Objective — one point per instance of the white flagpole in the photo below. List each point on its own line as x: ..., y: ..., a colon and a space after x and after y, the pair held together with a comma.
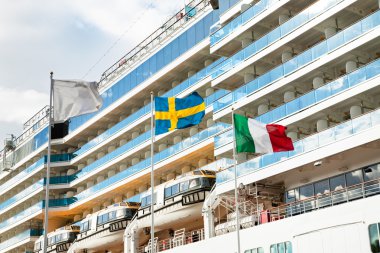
x: 46, y: 217
x: 152, y: 172
x: 235, y: 179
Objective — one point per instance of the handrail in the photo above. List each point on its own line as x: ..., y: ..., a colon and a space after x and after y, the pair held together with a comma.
x: 147, y: 43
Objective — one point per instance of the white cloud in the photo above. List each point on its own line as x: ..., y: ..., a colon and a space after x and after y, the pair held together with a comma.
x: 68, y: 37
x: 18, y: 106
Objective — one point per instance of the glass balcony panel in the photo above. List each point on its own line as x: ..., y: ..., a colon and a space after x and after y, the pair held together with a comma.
x: 343, y: 130
x: 290, y: 66
x: 319, y: 50
x: 352, y: 32
x: 292, y: 106
x: 327, y: 136
x: 322, y: 92
x: 274, y: 35
x: 310, y: 143
x: 339, y: 85
x: 362, y: 123
x: 375, y: 118
x: 372, y: 69
x: 336, y: 41
x: 307, y: 100
x: 279, y: 113
x: 357, y: 77
x: 252, y: 86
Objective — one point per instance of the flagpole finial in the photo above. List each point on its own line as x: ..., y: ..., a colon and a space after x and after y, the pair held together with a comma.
x: 51, y: 73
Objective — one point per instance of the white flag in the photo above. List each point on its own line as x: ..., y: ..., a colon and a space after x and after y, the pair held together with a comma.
x: 73, y: 98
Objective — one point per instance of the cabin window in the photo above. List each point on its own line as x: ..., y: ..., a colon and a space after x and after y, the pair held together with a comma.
x: 175, y: 189
x: 120, y: 213
x: 322, y: 187
x: 283, y: 247
x: 194, y: 183
x: 371, y: 172
x: 207, y: 182
x: 337, y: 183
x: 256, y: 250
x: 184, y: 186
x: 354, y: 177
x: 374, y: 237
x: 291, y: 196
x: 306, y: 191
x: 168, y: 192
x: 84, y: 226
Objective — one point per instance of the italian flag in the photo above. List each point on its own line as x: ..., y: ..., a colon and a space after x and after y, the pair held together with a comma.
x: 255, y: 137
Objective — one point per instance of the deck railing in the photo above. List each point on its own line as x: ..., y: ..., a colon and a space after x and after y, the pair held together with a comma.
x: 319, y: 201
x: 176, y: 241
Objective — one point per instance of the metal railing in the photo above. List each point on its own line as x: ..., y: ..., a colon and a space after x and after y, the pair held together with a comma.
x: 319, y: 201
x: 176, y: 241
x: 149, y: 44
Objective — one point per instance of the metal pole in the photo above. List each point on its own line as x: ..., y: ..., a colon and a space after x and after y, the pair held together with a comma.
x: 46, y: 217
x: 236, y: 187
x: 152, y: 172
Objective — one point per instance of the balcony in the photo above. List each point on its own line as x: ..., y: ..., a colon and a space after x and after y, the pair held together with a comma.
x: 288, y: 31
x: 347, y: 35
x: 131, y: 145
x: 159, y: 157
x: 145, y: 112
x: 32, y: 169
x: 25, y: 237
x: 324, y: 138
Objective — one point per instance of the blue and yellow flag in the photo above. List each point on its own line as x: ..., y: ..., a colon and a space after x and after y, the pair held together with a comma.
x: 178, y: 113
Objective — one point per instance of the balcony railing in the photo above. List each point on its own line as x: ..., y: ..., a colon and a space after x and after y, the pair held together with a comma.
x: 176, y: 241
x: 32, y: 168
x: 19, y: 196
x: 20, y: 237
x: 240, y: 20
x: 333, y: 198
x: 343, y: 37
x: 148, y: 45
x: 190, y: 82
x: 145, y: 164
x: 280, y: 32
x: 29, y: 212
x: 134, y: 143
x: 310, y: 143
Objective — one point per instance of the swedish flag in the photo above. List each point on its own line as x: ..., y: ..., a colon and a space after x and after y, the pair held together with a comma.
x: 178, y: 113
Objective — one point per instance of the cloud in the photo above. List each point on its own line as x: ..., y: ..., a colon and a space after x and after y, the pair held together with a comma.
x: 66, y: 37
x: 17, y: 106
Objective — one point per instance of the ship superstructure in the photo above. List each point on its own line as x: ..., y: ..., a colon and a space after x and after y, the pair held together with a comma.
x: 312, y: 66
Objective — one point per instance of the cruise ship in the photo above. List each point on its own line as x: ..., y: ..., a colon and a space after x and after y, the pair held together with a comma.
x: 312, y: 66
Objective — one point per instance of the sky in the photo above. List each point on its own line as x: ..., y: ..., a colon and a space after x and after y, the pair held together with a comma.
x: 67, y: 37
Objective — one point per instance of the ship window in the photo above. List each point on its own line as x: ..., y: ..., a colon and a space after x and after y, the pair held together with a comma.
x: 322, y: 187
x: 283, y: 247
x: 371, y: 172
x: 354, y: 177
x: 175, y: 189
x: 84, y: 226
x: 290, y: 196
x: 337, y: 183
x: 374, y: 237
x: 306, y: 191
x: 168, y: 192
x: 256, y: 250
x: 184, y: 186
x: 194, y: 183
x: 121, y: 212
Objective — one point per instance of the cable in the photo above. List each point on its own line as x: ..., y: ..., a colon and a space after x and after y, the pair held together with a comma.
x: 146, y: 9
